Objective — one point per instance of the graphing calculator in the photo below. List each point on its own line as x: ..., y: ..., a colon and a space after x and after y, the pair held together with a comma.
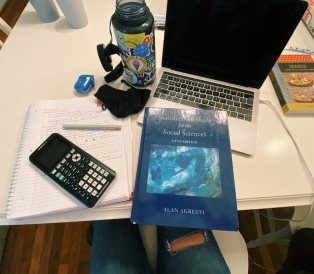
x: 77, y: 172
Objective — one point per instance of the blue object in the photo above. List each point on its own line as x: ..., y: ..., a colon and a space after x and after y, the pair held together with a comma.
x: 185, y: 174
x: 84, y: 83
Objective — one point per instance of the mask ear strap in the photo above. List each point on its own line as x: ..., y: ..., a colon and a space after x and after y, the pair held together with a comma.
x: 104, y: 54
x: 110, y: 29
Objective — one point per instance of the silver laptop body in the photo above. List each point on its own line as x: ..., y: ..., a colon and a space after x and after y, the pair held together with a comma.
x: 218, y: 53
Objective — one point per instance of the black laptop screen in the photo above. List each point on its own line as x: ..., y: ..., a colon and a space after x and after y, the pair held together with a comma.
x: 236, y: 41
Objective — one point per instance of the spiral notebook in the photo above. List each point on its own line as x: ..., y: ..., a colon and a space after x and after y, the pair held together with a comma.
x: 32, y: 193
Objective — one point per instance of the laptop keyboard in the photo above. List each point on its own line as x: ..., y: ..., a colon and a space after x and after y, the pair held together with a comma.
x: 205, y: 95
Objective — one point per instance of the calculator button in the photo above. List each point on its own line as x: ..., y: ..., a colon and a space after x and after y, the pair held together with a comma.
x: 76, y: 157
x: 85, y: 186
x: 98, y: 168
x: 103, y: 181
x: 60, y: 177
x: 106, y: 174
x: 94, y: 174
x: 90, y: 180
x: 72, y: 150
x: 63, y: 161
x: 94, y: 183
x: 90, y: 163
x: 81, y: 183
x: 85, y: 177
x: 90, y: 172
x: 54, y: 171
x: 102, y: 171
x: 99, y: 177
x: 94, y: 193
x: 90, y: 189
x: 68, y: 156
x: 99, y: 187
x: 94, y: 166
x: 58, y: 166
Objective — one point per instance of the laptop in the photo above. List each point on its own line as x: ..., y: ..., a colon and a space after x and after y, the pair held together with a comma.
x: 218, y: 53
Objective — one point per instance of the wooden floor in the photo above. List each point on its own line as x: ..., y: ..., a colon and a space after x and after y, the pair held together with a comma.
x: 10, y: 12
x: 62, y: 248
x: 47, y: 248
x: 270, y: 257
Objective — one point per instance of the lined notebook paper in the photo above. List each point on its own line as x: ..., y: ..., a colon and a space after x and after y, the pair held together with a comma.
x: 32, y: 192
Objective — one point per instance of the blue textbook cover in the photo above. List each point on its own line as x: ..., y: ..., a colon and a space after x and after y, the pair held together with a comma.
x: 185, y: 174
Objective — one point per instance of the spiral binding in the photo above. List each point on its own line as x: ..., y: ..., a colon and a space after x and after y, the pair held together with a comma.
x: 17, y: 163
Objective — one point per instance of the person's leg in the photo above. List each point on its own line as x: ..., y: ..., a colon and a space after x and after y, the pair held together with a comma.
x: 117, y: 248
x: 185, y: 250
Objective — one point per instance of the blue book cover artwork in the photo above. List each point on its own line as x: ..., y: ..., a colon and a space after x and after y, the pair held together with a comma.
x: 185, y: 174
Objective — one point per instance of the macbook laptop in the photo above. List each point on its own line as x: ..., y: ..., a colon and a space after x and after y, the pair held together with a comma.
x: 218, y: 53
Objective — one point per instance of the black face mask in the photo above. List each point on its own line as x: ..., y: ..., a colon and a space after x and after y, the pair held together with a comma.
x: 122, y: 103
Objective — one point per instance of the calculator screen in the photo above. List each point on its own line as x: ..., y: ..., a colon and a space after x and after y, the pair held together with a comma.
x: 52, y: 152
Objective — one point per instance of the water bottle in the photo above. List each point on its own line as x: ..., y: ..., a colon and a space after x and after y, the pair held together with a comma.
x: 133, y: 25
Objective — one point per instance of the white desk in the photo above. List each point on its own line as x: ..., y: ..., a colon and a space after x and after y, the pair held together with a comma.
x: 42, y: 61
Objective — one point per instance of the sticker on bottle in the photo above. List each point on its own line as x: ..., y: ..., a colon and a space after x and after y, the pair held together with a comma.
x: 137, y: 52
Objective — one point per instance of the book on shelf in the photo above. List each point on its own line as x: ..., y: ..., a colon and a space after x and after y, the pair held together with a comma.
x: 185, y: 173
x: 307, y: 18
x: 33, y: 193
x: 292, y: 78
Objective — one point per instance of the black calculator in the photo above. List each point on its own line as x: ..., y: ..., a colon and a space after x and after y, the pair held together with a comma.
x: 77, y: 172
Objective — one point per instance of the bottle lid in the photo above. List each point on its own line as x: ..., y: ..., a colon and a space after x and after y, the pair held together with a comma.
x: 131, y: 10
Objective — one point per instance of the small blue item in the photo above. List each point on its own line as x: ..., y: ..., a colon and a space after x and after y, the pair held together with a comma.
x: 84, y: 83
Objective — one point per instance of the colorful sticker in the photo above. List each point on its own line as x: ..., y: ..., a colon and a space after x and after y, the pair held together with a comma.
x: 137, y: 52
x: 136, y: 64
x: 141, y: 50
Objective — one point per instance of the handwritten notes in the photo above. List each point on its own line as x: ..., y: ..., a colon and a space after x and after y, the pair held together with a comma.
x: 32, y: 192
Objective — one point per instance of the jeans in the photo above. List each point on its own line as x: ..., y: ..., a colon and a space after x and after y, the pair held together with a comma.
x: 117, y: 248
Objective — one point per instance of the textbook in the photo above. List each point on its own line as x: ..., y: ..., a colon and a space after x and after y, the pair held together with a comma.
x: 32, y: 192
x: 185, y: 174
x: 292, y: 78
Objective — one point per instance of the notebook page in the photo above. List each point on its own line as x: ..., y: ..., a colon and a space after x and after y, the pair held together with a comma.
x: 33, y: 192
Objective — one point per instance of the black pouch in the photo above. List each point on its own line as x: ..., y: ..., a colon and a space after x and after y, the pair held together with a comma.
x: 122, y: 103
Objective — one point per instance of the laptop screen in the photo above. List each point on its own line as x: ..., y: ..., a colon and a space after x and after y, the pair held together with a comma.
x: 237, y: 41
